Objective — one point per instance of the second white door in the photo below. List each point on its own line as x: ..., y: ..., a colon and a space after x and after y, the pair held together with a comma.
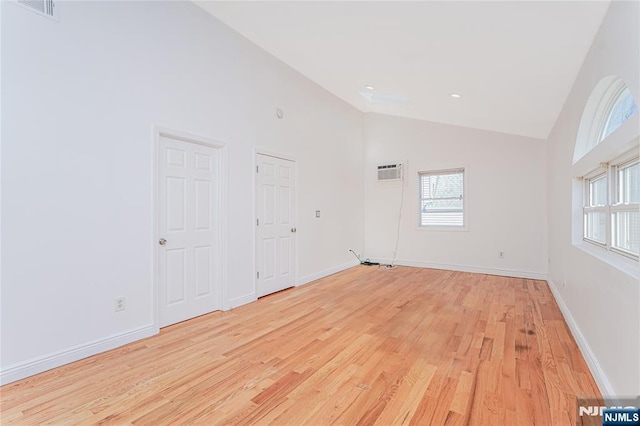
x: 275, y: 221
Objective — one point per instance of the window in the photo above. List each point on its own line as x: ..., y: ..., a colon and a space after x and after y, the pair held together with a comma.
x: 613, y: 220
x: 610, y: 105
x: 595, y: 210
x: 606, y: 202
x: 625, y: 213
x: 442, y: 198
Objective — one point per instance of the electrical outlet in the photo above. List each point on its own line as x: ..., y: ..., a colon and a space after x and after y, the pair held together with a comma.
x: 119, y: 304
x: 501, y: 254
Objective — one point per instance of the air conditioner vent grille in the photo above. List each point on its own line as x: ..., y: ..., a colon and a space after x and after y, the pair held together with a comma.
x: 390, y: 172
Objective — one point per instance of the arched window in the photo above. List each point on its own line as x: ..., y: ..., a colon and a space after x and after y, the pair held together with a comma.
x: 609, y: 106
x: 608, y: 189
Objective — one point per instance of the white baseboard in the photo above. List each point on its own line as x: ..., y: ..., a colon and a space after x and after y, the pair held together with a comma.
x: 312, y: 277
x: 242, y: 300
x: 592, y: 362
x: 465, y: 268
x: 47, y: 362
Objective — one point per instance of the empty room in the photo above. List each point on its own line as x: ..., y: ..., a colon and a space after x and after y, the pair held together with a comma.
x: 320, y: 212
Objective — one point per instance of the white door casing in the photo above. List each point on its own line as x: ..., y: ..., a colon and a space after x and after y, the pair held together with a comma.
x: 189, y: 243
x: 275, y: 224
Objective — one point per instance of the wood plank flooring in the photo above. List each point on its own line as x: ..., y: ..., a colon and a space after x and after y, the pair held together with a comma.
x: 406, y: 346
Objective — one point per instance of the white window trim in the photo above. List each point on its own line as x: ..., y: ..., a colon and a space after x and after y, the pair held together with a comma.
x: 465, y: 202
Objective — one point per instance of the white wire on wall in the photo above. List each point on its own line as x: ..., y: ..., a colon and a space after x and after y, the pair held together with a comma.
x: 395, y: 250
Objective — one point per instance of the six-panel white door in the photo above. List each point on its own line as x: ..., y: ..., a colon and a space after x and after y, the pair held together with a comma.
x: 188, y: 230
x: 275, y: 221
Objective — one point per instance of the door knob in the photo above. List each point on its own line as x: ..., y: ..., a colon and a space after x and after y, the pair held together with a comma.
x: 162, y: 241
x: 293, y: 229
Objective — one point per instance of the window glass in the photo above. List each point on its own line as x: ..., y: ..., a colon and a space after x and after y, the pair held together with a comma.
x: 626, y: 231
x: 595, y: 226
x: 629, y: 183
x: 442, y: 198
x: 597, y: 191
x: 623, y: 108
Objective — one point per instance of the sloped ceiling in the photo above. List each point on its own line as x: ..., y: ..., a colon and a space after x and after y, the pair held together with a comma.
x: 512, y: 63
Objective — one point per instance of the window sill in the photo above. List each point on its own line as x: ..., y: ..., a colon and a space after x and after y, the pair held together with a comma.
x: 443, y: 228
x: 622, y: 263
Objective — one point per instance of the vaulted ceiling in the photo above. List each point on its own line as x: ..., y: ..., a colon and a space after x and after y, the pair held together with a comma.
x: 512, y: 63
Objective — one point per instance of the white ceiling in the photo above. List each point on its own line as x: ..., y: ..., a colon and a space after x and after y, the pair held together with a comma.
x: 513, y: 62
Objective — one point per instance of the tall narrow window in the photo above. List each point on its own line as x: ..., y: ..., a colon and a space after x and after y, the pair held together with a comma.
x: 625, y: 212
x: 595, y: 209
x: 442, y: 198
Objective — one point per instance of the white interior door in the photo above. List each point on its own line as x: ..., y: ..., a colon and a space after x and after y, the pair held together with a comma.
x: 275, y: 219
x: 188, y: 230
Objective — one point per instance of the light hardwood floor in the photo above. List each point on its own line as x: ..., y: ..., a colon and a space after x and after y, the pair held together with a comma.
x: 369, y: 345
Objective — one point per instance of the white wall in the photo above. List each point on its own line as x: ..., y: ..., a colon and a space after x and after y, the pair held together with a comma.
x: 80, y: 99
x: 601, y: 302
x: 506, y: 197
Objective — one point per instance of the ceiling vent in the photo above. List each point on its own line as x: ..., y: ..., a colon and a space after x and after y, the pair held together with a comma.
x: 390, y: 172
x: 42, y: 7
x: 384, y: 99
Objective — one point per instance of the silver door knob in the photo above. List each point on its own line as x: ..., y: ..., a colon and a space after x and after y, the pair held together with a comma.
x: 293, y: 229
x: 162, y: 241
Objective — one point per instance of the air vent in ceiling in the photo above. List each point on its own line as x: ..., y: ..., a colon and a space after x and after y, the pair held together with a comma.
x: 42, y: 7
x: 384, y: 99
x: 389, y: 172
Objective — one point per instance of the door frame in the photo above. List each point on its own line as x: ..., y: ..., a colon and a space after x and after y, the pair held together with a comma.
x: 222, y: 210
x: 269, y: 153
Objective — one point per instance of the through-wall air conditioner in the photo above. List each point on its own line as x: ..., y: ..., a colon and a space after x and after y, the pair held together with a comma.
x: 390, y: 172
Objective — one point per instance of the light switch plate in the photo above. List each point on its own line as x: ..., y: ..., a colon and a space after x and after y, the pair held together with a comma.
x: 317, y: 213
